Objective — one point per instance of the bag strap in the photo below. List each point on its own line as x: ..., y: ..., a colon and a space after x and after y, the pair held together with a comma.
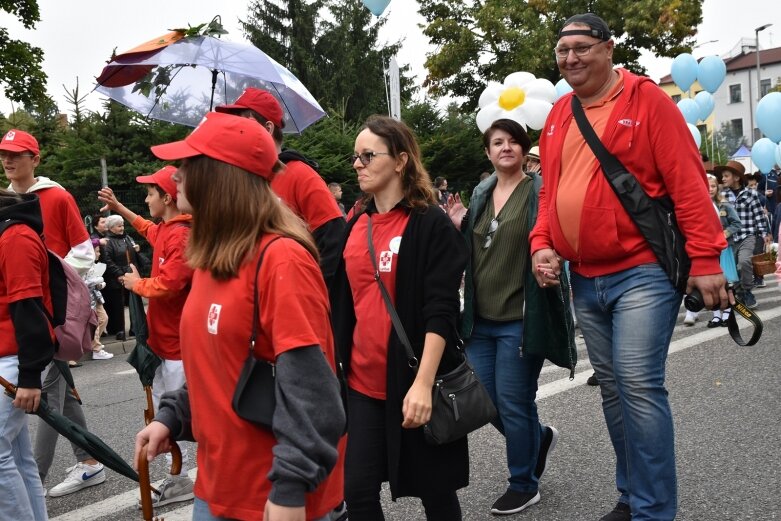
x: 732, y: 324
x: 256, y: 299
x: 610, y: 165
x: 412, y: 360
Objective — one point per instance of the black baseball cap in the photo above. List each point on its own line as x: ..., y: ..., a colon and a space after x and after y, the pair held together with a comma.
x: 597, y: 26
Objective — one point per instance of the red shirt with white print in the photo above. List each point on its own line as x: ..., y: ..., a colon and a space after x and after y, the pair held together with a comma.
x: 369, y: 361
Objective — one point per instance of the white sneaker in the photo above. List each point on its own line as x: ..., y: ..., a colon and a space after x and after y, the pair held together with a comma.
x: 102, y: 355
x: 173, y: 489
x: 690, y: 318
x: 79, y: 476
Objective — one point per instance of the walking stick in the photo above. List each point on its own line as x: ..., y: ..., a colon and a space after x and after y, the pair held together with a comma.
x: 145, y: 486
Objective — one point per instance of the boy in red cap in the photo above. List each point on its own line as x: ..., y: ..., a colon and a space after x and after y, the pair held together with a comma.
x: 166, y: 288
x: 66, y: 236
x: 299, y: 186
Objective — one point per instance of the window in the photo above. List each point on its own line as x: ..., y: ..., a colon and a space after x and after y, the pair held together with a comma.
x: 764, y: 87
x: 737, y: 126
x: 735, y: 95
x: 676, y: 98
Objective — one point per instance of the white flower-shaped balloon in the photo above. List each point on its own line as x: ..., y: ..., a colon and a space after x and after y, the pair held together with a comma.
x: 522, y: 98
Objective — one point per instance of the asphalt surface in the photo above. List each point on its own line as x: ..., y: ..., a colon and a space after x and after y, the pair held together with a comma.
x: 726, y: 404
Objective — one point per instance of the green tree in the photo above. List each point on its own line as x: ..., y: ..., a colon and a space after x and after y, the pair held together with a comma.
x: 337, y: 56
x: 481, y: 40
x: 20, y: 68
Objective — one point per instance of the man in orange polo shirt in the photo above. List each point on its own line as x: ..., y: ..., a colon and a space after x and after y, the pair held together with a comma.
x: 625, y: 303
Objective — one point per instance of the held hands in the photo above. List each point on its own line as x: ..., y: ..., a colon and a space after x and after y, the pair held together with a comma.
x: 158, y: 438
x: 546, y: 266
x: 416, y: 407
x: 129, y: 280
x: 27, y: 399
x: 274, y: 512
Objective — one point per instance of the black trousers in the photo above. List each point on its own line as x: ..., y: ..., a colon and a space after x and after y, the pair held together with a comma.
x: 115, y: 309
x: 366, y: 465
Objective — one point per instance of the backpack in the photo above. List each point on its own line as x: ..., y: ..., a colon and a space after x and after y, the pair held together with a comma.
x: 73, y: 319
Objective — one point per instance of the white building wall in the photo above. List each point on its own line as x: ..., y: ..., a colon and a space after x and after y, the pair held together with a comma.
x: 747, y: 79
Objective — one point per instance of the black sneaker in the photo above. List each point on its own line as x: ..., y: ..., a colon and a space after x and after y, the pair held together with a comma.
x: 592, y: 380
x: 547, y: 444
x: 513, y: 502
x: 715, y: 322
x: 620, y: 513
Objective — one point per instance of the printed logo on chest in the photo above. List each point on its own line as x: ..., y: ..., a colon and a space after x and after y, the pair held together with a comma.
x: 213, y: 319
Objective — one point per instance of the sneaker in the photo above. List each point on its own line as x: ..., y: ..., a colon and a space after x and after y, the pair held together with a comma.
x: 620, y: 513
x: 547, y: 444
x: 172, y: 490
x: 513, y: 502
x: 750, y: 300
x: 592, y: 380
x: 760, y: 282
x: 102, y: 355
x: 715, y: 322
x: 690, y: 319
x: 79, y: 476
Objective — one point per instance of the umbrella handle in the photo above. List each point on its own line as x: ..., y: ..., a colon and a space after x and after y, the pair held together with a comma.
x: 145, y: 486
x: 10, y: 389
x: 149, y: 412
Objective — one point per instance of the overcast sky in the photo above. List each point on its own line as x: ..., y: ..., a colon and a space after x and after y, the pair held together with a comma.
x: 77, y: 37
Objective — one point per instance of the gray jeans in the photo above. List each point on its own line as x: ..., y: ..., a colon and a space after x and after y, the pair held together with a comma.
x: 62, y: 401
x: 744, y: 250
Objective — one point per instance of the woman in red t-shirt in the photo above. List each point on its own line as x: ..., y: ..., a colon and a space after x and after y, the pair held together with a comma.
x: 223, y: 182
x: 420, y: 258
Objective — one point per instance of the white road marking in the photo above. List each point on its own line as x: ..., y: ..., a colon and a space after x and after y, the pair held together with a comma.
x: 114, y: 504
x: 129, y: 371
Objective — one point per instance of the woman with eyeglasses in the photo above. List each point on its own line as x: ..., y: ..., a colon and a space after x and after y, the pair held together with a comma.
x: 398, y: 233
x: 502, y: 211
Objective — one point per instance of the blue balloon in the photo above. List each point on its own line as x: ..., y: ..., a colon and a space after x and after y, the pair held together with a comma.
x: 376, y: 6
x: 695, y: 134
x: 768, y: 116
x: 711, y: 73
x: 684, y: 71
x: 763, y: 154
x: 705, y: 103
x: 690, y: 110
x: 562, y: 87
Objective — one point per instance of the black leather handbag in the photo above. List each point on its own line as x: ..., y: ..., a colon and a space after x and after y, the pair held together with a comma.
x: 459, y: 403
x: 253, y: 398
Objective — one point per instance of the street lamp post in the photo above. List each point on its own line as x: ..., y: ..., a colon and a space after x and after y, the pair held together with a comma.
x: 759, y: 82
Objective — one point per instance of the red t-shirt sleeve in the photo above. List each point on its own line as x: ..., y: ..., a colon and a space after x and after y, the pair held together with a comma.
x: 305, y: 192
x: 21, y: 258
x: 294, y: 310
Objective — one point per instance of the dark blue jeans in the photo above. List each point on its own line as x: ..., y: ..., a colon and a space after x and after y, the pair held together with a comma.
x: 511, y: 380
x: 627, y: 319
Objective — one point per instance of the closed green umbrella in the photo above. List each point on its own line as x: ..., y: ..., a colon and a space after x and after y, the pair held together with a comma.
x: 65, y: 371
x: 79, y: 435
x: 141, y: 357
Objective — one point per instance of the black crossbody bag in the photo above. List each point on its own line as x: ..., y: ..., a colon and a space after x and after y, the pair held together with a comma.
x: 459, y: 403
x: 655, y: 218
x: 254, y: 399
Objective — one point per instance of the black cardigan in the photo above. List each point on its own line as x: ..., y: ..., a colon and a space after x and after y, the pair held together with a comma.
x: 431, y: 261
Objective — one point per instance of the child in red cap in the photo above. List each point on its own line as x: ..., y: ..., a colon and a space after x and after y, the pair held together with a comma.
x: 166, y: 288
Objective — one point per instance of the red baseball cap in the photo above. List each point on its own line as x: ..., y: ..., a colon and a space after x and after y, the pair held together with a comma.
x: 240, y: 142
x: 161, y: 178
x: 259, y: 100
x: 19, y: 141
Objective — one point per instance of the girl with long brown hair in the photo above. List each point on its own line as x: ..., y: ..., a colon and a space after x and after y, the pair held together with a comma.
x: 420, y: 258
x: 223, y: 181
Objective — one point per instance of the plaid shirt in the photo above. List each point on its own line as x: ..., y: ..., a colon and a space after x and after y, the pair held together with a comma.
x: 751, y: 215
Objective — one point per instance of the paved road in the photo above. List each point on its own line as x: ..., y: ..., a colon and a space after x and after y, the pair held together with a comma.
x: 726, y: 402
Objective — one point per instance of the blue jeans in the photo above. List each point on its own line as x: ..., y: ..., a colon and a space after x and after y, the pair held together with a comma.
x: 22, y: 492
x: 627, y: 320
x: 201, y: 512
x: 511, y: 380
